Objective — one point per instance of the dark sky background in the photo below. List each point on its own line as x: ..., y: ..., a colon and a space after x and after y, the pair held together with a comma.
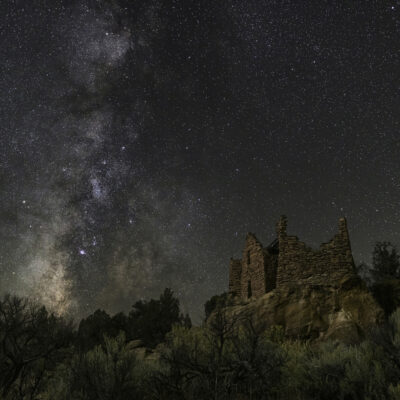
x: 141, y: 140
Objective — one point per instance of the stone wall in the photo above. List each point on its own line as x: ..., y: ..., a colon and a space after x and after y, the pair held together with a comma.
x: 235, y: 273
x: 288, y: 261
x: 301, y: 265
x: 253, y: 272
x: 270, y: 267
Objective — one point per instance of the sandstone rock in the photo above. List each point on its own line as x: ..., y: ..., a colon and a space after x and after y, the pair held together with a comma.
x: 314, y: 294
x: 141, y: 352
x: 316, y: 313
x: 134, y: 344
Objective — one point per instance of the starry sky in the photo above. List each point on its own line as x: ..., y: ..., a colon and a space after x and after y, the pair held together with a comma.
x: 141, y: 139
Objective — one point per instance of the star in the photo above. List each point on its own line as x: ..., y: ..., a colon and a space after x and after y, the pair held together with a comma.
x: 140, y: 140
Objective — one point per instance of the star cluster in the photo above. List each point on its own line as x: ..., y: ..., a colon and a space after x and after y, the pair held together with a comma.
x: 140, y: 141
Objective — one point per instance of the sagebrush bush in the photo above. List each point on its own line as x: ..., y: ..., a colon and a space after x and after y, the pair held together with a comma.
x: 227, y: 358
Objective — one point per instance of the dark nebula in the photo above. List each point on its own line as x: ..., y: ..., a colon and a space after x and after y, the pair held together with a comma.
x: 141, y: 140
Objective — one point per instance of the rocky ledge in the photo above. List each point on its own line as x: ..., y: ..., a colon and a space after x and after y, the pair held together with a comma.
x: 345, y: 312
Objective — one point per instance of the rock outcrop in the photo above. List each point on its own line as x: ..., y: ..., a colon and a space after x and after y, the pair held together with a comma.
x: 314, y: 294
x: 316, y: 312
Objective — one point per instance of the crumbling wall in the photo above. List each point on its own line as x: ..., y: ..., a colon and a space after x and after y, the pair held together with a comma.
x: 270, y: 268
x: 288, y: 261
x: 301, y: 265
x: 253, y: 272
x: 235, y: 273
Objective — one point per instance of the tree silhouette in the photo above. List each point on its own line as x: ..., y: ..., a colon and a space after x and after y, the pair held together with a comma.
x: 151, y: 320
x: 385, y: 261
x: 92, y: 329
x: 29, y: 336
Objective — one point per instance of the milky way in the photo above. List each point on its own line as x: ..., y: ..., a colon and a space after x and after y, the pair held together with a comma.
x: 140, y: 141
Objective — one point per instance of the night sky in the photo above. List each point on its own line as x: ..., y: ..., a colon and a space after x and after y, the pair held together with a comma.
x: 141, y: 139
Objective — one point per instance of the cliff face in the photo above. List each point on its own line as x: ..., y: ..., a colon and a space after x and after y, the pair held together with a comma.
x: 316, y: 313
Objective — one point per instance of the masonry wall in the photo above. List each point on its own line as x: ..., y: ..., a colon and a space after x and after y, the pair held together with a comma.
x: 290, y: 262
x: 253, y: 272
x: 299, y: 264
x: 235, y: 273
x: 270, y: 268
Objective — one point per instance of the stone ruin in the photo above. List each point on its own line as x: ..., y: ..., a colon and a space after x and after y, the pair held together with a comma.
x: 288, y: 261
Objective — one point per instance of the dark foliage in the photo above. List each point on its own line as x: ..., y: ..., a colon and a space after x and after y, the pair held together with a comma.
x: 387, y: 294
x: 105, y: 372
x: 385, y: 262
x: 218, y: 300
x: 32, y: 341
x: 93, y: 328
x: 151, y: 320
x: 383, y: 276
x: 226, y: 358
